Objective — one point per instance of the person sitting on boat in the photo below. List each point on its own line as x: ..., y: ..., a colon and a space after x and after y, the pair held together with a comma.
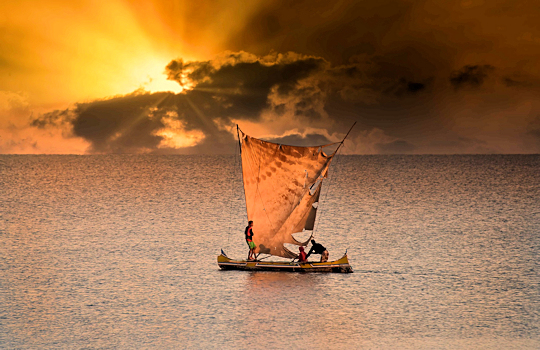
x: 302, y: 257
x: 249, y: 241
x: 317, y: 248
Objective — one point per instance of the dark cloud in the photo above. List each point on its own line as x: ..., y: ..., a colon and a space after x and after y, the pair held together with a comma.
x: 403, y: 87
x: 54, y: 118
x: 241, y: 84
x: 470, y: 76
x: 121, y: 124
x: 132, y: 123
x: 415, y: 87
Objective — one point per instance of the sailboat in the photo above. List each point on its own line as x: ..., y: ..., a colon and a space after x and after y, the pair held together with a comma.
x: 282, y: 188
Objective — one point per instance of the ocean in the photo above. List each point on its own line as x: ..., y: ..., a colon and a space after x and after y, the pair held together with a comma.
x: 119, y: 252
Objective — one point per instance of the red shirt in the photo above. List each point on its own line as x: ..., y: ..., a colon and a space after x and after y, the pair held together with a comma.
x: 249, y: 233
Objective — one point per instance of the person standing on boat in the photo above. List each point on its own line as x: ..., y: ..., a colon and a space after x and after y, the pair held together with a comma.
x: 317, y: 248
x: 249, y: 241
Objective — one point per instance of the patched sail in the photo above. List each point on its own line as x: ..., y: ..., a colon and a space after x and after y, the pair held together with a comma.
x: 282, y: 186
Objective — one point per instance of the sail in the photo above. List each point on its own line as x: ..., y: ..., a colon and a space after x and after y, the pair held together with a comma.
x: 282, y: 187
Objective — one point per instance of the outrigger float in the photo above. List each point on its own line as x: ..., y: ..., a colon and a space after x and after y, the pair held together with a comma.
x: 282, y: 188
x: 339, y: 266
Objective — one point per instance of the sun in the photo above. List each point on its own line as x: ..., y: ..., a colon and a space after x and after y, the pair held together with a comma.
x: 148, y: 73
x: 152, y: 77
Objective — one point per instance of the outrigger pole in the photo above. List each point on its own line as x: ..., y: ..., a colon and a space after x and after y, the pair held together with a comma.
x: 240, y: 149
x: 341, y: 143
x: 238, y: 134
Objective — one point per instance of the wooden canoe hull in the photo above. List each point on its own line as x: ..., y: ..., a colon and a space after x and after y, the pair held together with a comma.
x: 338, y: 266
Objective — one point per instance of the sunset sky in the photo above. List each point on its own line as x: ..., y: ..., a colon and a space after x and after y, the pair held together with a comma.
x: 175, y: 77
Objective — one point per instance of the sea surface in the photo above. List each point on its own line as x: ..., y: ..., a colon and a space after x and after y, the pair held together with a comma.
x: 119, y: 252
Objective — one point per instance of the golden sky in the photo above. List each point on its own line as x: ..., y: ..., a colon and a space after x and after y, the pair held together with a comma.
x: 176, y: 76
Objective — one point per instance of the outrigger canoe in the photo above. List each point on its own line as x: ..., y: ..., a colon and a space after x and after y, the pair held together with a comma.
x: 282, y: 190
x: 340, y: 266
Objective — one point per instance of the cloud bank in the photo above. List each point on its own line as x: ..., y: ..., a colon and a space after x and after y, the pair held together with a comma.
x: 301, y: 99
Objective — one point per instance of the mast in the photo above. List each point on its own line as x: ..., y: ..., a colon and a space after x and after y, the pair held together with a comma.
x: 241, y: 163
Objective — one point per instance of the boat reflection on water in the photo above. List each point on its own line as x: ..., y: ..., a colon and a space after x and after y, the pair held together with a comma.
x: 296, y: 307
x: 264, y: 282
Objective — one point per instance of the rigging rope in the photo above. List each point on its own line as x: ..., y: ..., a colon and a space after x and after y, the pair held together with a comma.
x: 336, y: 154
x: 323, y: 202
